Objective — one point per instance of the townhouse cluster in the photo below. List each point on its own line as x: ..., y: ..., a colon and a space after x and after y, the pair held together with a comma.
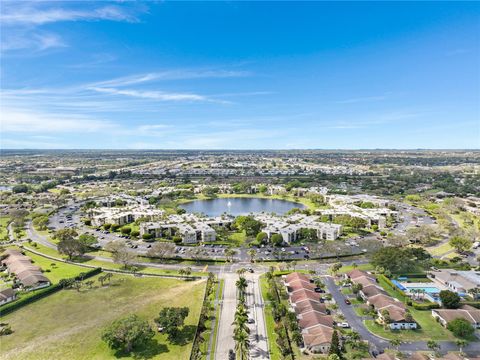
x: 390, y: 311
x: 347, y: 205
x: 29, y: 276
x: 289, y: 227
x: 123, y: 215
x: 190, y: 228
x: 314, y: 318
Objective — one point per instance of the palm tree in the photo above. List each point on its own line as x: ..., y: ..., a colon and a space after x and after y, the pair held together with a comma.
x: 241, y: 271
x: 395, y: 343
x: 242, y: 344
x: 433, y: 345
x: 252, y: 253
x: 461, y: 344
x: 353, y: 338
x: 241, y: 285
x: 229, y: 253
x: 474, y: 292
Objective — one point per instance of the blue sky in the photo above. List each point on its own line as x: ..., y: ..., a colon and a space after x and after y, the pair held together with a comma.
x: 165, y: 75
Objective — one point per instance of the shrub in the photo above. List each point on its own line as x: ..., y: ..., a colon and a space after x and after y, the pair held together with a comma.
x: 461, y: 328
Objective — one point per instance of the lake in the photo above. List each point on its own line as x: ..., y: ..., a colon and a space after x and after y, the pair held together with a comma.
x: 240, y: 206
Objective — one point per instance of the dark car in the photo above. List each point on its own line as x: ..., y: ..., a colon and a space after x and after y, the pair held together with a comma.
x: 231, y: 355
x: 348, y: 302
x: 319, y: 290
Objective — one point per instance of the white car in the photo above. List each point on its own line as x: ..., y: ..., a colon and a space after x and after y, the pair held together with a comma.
x: 344, y: 325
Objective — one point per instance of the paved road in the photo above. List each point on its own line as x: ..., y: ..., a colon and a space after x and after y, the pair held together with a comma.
x: 225, y: 340
x: 377, y: 343
x: 352, y: 318
x: 258, y: 330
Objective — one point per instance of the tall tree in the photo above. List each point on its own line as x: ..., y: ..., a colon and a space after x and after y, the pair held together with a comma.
x: 335, y: 348
x: 160, y: 250
x: 171, y: 319
x: 128, y: 333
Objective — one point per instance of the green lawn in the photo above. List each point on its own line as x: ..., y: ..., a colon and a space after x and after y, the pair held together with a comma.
x: 68, y: 324
x: 106, y: 264
x: 4, y: 220
x: 58, y: 269
x: 429, y: 327
x: 365, y: 267
x: 430, y: 330
x: 270, y: 322
x: 238, y: 238
x: 439, y: 250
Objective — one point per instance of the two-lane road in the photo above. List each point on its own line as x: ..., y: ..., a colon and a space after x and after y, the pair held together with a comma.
x: 258, y: 330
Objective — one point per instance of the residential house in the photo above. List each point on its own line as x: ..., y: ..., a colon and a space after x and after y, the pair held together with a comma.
x: 7, y: 295
x: 469, y: 313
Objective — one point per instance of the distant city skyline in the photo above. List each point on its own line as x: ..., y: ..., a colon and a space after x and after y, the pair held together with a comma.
x: 235, y: 75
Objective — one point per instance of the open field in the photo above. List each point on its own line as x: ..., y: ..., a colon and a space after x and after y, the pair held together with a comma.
x: 68, y: 324
x: 107, y: 264
x: 56, y: 270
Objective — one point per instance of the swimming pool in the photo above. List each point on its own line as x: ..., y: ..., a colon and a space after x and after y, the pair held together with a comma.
x: 428, y: 290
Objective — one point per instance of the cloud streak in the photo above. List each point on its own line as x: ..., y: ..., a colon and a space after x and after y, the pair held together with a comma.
x: 35, y: 122
x: 15, y: 14
x: 178, y: 74
x: 152, y: 95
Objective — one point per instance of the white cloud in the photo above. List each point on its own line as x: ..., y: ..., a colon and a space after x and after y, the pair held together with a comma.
x: 153, y: 95
x: 362, y: 99
x: 178, y: 74
x: 39, y: 41
x: 15, y: 14
x: 23, y: 121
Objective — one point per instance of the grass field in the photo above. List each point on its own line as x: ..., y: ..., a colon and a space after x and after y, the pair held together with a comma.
x: 439, y: 250
x: 106, y: 264
x: 57, y: 269
x: 365, y: 267
x: 4, y: 220
x: 430, y: 333
x: 68, y: 324
x: 238, y: 238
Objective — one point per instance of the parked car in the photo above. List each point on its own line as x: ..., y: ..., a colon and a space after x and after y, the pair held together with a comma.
x: 231, y: 354
x: 344, y: 325
x: 348, y: 302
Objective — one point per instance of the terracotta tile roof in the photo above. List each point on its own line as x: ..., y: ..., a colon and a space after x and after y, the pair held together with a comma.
x: 313, y: 318
x: 380, y: 301
x: 296, y: 276
x: 318, y: 336
x: 364, y: 280
x: 473, y: 316
x: 308, y: 305
x: 300, y: 284
x: 357, y: 273
x: 303, y: 295
x: 372, y: 290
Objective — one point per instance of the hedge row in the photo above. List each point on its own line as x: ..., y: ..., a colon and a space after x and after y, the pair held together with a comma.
x: 41, y: 293
x: 425, y: 306
x: 205, y: 313
x: 475, y: 304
